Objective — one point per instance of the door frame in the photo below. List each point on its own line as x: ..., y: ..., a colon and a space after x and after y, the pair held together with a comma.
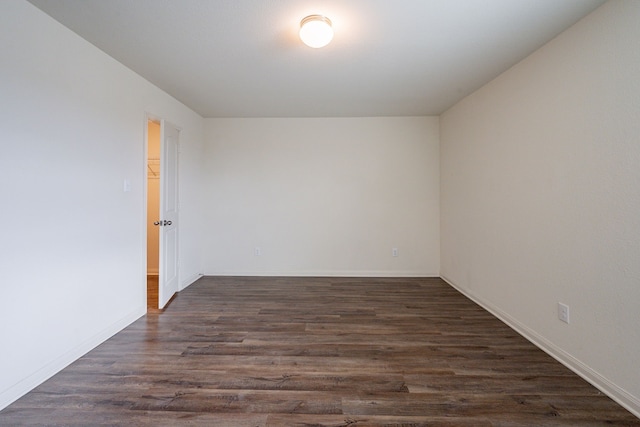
x: 145, y: 164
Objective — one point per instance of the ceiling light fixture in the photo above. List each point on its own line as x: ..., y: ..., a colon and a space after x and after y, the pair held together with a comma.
x: 316, y: 31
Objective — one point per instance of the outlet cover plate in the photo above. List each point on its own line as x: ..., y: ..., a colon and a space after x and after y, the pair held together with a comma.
x: 563, y: 312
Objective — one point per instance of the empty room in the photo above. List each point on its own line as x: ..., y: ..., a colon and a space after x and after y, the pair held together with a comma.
x: 320, y: 213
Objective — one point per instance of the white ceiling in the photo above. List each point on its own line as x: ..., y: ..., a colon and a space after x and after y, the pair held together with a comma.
x: 243, y: 58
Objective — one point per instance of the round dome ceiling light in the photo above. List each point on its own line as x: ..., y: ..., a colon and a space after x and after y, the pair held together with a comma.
x: 316, y: 31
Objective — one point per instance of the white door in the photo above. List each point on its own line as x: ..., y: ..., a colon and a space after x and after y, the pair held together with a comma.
x: 168, y: 269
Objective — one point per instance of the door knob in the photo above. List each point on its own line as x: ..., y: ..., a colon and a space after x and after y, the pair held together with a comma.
x: 166, y: 222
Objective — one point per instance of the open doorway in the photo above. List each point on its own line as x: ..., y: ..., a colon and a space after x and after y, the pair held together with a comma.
x: 153, y: 213
x: 162, y: 212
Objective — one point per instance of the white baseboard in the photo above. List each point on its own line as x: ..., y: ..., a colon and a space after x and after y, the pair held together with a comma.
x: 325, y: 273
x: 618, y: 394
x: 15, y: 392
x: 189, y: 281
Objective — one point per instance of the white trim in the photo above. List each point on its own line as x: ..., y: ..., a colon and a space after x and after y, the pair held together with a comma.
x: 618, y: 394
x: 325, y: 273
x: 145, y: 201
x: 189, y: 281
x: 27, y: 384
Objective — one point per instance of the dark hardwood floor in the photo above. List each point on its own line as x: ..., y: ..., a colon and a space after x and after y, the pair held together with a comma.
x: 317, y: 352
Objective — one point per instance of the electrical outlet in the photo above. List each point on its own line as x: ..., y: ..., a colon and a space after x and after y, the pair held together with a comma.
x: 394, y: 251
x: 257, y: 251
x: 563, y: 312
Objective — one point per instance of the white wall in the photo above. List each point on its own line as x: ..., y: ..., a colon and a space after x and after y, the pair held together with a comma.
x: 322, y: 196
x: 72, y: 260
x: 541, y: 197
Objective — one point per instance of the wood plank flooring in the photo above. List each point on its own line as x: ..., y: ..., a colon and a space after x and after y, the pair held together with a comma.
x: 317, y: 352
x: 152, y: 292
